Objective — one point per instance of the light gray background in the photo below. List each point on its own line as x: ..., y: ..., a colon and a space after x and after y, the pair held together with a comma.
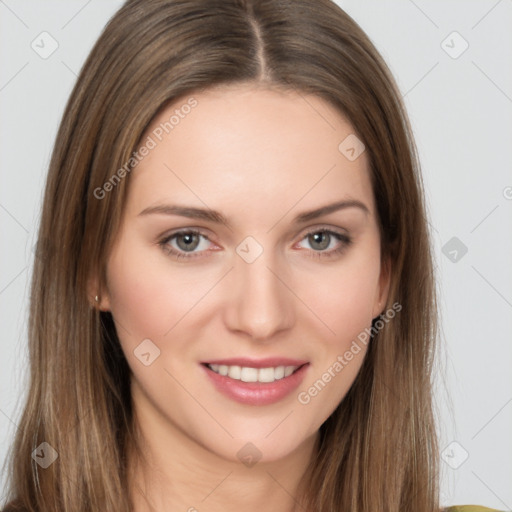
x: 461, y: 111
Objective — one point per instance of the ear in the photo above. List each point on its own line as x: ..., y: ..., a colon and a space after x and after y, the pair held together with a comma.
x: 382, y: 292
x: 95, y: 290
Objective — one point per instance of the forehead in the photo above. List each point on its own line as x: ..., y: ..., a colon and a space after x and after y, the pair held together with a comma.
x: 247, y: 146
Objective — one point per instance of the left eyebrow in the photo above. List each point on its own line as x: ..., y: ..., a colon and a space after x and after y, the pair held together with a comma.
x: 330, y: 208
x: 216, y: 217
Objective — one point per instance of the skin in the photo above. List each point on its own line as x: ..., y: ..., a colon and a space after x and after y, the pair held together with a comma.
x: 260, y: 157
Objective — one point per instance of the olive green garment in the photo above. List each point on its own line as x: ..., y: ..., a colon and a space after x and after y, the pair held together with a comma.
x: 470, y: 508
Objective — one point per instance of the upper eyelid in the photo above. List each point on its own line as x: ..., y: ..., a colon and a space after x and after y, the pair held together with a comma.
x: 195, y: 231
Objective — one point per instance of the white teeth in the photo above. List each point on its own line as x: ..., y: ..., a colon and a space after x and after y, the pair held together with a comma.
x: 279, y: 372
x: 234, y: 372
x: 247, y: 374
x: 288, y: 370
x: 267, y: 374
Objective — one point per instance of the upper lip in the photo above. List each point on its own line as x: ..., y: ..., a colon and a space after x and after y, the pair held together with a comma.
x: 267, y: 362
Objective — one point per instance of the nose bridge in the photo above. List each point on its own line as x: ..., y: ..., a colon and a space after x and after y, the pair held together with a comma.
x: 260, y: 304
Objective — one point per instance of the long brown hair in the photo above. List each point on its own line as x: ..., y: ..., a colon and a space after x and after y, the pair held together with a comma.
x: 378, y: 450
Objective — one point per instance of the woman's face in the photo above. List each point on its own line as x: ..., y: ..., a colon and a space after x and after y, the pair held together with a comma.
x: 225, y: 257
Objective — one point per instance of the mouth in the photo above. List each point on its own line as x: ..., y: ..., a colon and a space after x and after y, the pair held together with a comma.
x: 256, y: 382
x: 248, y: 374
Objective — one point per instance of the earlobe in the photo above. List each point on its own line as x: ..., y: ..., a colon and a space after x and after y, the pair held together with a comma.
x: 96, y: 299
x: 102, y: 303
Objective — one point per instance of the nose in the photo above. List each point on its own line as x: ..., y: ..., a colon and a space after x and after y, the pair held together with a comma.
x: 260, y: 305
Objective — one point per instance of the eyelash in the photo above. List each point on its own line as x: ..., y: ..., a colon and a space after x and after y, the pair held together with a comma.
x: 345, y: 240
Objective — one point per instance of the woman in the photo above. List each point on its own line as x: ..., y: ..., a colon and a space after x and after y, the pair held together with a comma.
x: 233, y: 302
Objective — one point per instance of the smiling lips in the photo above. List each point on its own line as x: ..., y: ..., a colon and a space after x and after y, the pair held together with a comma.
x: 256, y: 382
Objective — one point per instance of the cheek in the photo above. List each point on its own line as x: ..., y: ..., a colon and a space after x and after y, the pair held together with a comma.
x: 343, y: 296
x: 150, y: 298
x: 343, y: 300
x: 143, y: 302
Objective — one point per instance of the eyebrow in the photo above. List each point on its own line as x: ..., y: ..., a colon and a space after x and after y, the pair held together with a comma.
x: 217, y: 218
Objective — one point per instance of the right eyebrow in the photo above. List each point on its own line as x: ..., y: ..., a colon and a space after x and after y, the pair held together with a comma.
x: 187, y: 211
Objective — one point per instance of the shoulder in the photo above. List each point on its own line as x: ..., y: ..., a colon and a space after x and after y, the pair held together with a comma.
x: 469, y: 508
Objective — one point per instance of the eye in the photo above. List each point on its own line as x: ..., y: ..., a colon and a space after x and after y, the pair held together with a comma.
x: 183, y: 244
x: 326, y: 242
x: 190, y: 243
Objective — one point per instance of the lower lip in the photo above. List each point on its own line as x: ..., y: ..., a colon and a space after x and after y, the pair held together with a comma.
x: 257, y: 393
